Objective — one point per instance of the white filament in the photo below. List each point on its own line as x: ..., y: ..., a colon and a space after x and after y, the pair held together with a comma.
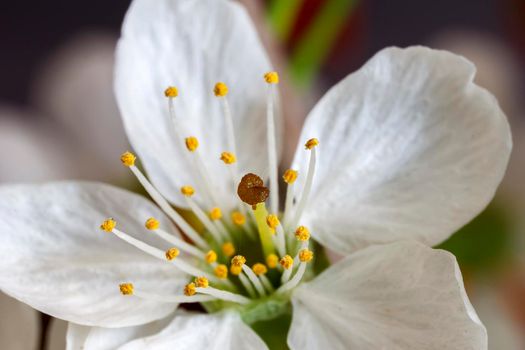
x: 205, y: 220
x: 173, y: 298
x: 272, y: 150
x: 295, y: 280
x: 224, y: 295
x: 181, y: 244
x: 306, y: 190
x: 255, y: 281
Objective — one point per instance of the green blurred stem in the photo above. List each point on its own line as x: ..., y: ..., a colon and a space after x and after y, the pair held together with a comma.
x: 282, y: 15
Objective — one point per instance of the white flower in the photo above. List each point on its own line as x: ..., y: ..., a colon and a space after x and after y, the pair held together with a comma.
x: 410, y: 149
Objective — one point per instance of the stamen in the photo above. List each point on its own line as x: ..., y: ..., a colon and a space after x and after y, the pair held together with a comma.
x: 174, y: 298
x: 203, y: 217
x: 228, y: 249
x: 274, y: 225
x: 108, y: 225
x: 237, y: 271
x: 171, y: 92
x: 311, y: 145
x: 153, y: 225
x: 210, y: 257
x: 201, y: 282
x: 128, y: 159
x: 215, y: 213
x: 238, y: 218
x: 255, y: 281
x: 228, y: 157
x: 159, y: 254
x: 290, y: 176
x: 224, y: 295
x: 302, y: 233
x: 126, y: 288
x: 272, y: 260
x: 190, y: 289
x: 260, y: 270
x: 221, y: 271
x: 220, y: 89
x: 238, y: 260
x: 305, y: 256
x: 187, y: 191
x: 287, y: 263
x: 166, y: 207
x: 192, y: 143
x: 272, y: 78
x: 172, y: 253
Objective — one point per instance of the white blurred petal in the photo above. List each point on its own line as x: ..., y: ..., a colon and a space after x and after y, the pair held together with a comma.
x: 410, y: 148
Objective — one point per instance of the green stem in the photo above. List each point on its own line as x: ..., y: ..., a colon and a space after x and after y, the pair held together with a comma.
x: 265, y: 234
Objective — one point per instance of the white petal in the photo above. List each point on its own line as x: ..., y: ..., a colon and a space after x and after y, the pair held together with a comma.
x: 98, y: 338
x: 191, y: 44
x: 199, y: 331
x: 410, y: 148
x: 54, y: 256
x: 19, y: 325
x: 395, y: 296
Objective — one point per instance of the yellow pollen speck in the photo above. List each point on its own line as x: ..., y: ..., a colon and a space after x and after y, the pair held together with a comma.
x: 228, y: 249
x: 189, y: 289
x: 302, y: 233
x: 272, y: 260
x: 272, y: 221
x: 228, y: 157
x: 126, y: 288
x: 238, y: 219
x: 202, y: 282
x: 171, y: 92
x: 221, y: 271
x: 128, y: 159
x: 290, y: 176
x: 238, y: 260
x: 220, y: 89
x: 259, y: 269
x: 311, y: 143
x: 235, y: 270
x: 210, y: 257
x: 188, y: 191
x: 108, y: 225
x: 192, y: 143
x: 215, y: 213
x: 271, y: 78
x: 152, y: 224
x: 306, y: 255
x: 286, y: 262
x: 172, y: 253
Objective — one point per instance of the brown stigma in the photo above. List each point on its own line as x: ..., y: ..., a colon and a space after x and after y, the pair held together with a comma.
x: 251, y: 190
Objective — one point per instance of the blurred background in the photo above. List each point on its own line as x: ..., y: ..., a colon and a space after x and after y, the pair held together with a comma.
x: 58, y: 118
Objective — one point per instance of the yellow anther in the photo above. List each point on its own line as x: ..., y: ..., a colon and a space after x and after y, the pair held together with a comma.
x: 302, y: 233
x: 271, y: 78
x: 108, y: 225
x: 235, y: 270
x: 202, y: 282
x: 272, y: 221
x: 189, y: 289
x: 290, y: 176
x: 286, y: 262
x: 171, y: 91
x: 238, y: 218
x: 172, y: 253
x: 272, y: 260
x: 152, y: 224
x: 228, y: 157
x: 238, y: 260
x: 215, y: 213
x: 128, y: 159
x: 220, y: 89
x: 259, y: 269
x: 126, y: 288
x: 306, y: 255
x: 221, y: 271
x: 192, y: 143
x: 311, y: 143
x: 188, y: 191
x: 228, y: 249
x: 210, y: 257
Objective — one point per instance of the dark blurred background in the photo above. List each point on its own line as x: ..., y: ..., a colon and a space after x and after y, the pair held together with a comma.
x: 58, y: 118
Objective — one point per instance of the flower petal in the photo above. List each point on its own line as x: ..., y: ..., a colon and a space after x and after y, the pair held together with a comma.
x: 54, y: 257
x: 191, y: 44
x: 410, y: 148
x: 199, y: 331
x: 98, y: 338
x: 395, y: 296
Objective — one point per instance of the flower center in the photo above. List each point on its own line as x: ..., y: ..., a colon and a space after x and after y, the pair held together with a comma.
x: 242, y: 257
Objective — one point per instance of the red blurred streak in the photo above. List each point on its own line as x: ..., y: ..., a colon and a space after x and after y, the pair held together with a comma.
x: 305, y: 17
